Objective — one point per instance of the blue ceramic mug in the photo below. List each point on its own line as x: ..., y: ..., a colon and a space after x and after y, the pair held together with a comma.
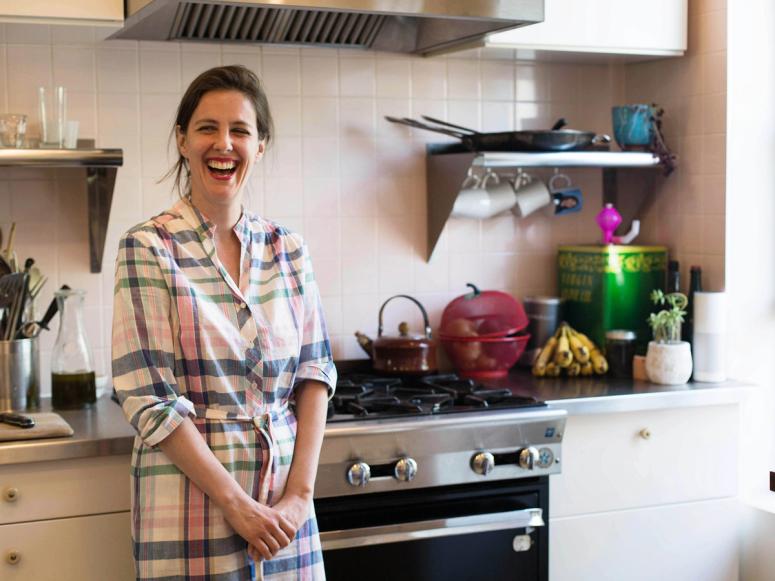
x: 633, y: 125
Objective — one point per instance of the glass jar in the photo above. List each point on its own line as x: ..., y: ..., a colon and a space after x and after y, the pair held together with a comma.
x: 620, y: 349
x: 73, y: 384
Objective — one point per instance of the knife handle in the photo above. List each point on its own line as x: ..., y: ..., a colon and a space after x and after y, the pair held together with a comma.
x: 17, y: 420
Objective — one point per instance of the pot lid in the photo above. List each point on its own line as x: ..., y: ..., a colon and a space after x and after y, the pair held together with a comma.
x: 404, y: 340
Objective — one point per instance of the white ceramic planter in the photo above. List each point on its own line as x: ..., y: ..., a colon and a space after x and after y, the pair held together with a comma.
x: 669, y: 363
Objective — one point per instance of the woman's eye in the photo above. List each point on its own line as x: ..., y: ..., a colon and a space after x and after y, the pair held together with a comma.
x: 206, y: 128
x: 242, y: 131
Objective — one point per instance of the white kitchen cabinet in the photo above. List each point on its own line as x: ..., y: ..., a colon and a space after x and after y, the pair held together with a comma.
x: 647, y: 495
x: 91, y: 548
x: 66, y: 519
x: 693, y: 541
x: 612, y: 27
x: 59, y: 12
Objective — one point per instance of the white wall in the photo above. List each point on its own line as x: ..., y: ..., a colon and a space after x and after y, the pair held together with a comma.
x: 750, y: 277
x: 352, y: 183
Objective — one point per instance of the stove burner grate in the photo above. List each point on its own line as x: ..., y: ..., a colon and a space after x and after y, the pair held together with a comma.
x: 361, y: 396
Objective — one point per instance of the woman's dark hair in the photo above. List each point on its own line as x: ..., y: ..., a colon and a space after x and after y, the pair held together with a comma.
x: 229, y: 78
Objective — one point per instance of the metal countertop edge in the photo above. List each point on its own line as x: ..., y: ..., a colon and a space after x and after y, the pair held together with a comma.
x: 635, y: 402
x: 54, y: 449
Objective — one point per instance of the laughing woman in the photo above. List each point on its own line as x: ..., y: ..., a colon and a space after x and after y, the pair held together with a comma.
x: 221, y: 360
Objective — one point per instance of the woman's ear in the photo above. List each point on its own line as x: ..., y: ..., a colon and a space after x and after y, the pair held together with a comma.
x: 180, y: 139
x: 261, y: 149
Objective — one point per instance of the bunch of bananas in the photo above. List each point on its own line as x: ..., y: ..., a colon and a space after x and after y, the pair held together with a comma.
x: 571, y: 351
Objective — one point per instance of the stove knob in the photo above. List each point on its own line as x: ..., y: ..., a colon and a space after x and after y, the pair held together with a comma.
x: 528, y: 457
x: 483, y: 463
x: 358, y: 474
x: 405, y: 469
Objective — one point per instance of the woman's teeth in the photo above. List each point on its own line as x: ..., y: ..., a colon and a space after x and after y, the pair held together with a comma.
x: 222, y: 168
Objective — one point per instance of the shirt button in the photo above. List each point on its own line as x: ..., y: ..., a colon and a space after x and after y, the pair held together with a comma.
x: 242, y: 306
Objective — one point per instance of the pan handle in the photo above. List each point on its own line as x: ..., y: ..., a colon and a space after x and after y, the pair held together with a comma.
x: 452, y: 125
x: 417, y: 125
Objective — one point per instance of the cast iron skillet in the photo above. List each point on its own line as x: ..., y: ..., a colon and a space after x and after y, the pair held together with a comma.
x: 555, y: 139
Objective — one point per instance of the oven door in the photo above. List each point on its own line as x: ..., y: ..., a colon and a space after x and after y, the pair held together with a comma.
x: 487, y: 531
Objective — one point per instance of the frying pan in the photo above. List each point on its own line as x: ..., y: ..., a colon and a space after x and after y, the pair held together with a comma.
x: 555, y: 139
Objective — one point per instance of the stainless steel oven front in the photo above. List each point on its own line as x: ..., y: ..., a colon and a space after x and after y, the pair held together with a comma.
x: 493, y: 531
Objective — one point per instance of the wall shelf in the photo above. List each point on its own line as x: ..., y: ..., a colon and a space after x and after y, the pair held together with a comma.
x: 447, y: 165
x: 100, y: 165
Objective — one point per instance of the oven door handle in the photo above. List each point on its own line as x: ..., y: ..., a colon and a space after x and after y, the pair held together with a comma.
x: 446, y: 527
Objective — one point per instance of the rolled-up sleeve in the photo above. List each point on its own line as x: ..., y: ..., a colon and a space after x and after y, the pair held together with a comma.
x: 143, y: 350
x: 315, y: 358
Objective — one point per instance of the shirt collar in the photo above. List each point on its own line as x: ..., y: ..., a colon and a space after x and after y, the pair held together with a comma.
x: 205, y: 228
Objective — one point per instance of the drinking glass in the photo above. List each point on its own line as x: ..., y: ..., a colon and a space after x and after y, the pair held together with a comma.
x: 52, y: 110
x: 13, y: 126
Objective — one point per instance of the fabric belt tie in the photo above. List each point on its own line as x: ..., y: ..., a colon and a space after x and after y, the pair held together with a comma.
x: 262, y: 424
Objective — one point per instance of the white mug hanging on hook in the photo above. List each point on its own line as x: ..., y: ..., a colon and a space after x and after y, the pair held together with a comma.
x: 566, y: 197
x: 483, y: 197
x: 531, y: 195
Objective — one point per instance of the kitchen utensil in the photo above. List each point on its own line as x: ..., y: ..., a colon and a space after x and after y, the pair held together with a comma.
x: 482, y: 314
x: 33, y: 328
x: 73, y: 382
x: 13, y: 127
x: 47, y: 425
x: 7, y: 253
x: 633, y: 125
x: 53, y: 116
x: 536, y: 140
x: 19, y: 373
x: 484, y: 357
x: 405, y: 353
x: 483, y: 197
x: 12, y: 291
x: 545, y: 315
x: 608, y: 219
x: 619, y: 351
x: 567, y: 199
x: 531, y: 196
x: 17, y: 420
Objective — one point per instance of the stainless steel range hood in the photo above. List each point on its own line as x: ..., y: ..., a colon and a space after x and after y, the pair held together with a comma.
x: 408, y: 26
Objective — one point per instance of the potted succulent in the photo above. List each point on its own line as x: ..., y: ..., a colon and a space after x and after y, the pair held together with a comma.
x: 668, y: 359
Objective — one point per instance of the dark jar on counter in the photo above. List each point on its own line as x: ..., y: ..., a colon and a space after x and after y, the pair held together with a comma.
x: 73, y: 384
x: 620, y: 349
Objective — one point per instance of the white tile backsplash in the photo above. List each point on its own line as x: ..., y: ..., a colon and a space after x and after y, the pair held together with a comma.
x: 349, y: 181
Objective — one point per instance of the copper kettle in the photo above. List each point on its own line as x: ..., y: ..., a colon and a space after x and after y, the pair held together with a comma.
x: 405, y: 353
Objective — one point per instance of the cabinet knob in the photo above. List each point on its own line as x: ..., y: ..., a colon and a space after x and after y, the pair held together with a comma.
x: 13, y: 557
x: 11, y: 494
x: 645, y: 433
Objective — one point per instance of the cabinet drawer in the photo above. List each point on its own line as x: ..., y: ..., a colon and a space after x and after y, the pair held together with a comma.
x: 629, y: 460
x: 92, y: 548
x: 44, y: 490
x: 696, y: 541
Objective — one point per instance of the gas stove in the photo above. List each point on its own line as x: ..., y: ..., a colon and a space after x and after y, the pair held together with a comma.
x: 435, y: 478
x: 366, y: 397
x: 386, y: 434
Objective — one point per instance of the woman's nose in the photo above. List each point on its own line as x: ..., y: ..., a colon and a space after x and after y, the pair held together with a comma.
x: 223, y: 141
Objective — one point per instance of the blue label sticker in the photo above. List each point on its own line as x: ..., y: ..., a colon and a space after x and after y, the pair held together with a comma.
x: 549, y: 433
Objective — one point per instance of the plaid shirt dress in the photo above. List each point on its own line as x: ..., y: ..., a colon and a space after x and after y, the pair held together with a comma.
x: 190, y: 341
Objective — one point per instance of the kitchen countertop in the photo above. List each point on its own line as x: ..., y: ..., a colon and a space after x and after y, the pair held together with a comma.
x: 103, y: 430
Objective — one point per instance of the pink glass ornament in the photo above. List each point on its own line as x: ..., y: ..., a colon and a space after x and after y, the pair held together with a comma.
x: 608, y: 219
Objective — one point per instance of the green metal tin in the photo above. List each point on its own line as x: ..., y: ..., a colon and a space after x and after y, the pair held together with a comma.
x: 608, y: 287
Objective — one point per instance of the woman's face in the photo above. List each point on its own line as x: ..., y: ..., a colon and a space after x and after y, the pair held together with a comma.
x: 221, y: 145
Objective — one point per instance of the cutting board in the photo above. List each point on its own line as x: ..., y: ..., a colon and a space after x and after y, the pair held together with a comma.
x: 47, y: 425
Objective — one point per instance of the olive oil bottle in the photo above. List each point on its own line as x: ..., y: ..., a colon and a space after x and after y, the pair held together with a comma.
x: 73, y: 384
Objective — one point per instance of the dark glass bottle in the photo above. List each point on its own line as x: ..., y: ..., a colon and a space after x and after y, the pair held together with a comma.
x: 673, y: 277
x: 695, y: 285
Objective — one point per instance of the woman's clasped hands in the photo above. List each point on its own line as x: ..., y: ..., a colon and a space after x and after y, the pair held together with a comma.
x: 265, y: 528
